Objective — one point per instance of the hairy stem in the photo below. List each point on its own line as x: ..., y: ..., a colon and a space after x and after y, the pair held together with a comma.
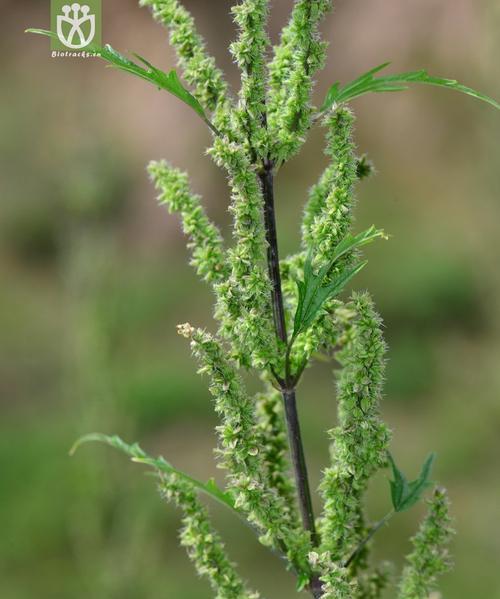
x: 287, y: 385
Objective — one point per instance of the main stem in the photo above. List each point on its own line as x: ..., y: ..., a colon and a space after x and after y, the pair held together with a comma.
x: 287, y: 386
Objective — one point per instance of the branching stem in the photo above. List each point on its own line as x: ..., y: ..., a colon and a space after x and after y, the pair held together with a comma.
x: 287, y: 384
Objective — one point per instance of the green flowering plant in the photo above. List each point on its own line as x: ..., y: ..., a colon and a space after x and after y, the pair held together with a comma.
x: 275, y: 315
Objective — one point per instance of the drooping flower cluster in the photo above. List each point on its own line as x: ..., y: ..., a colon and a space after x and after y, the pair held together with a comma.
x: 249, y: 52
x: 430, y: 556
x: 205, y: 238
x: 241, y: 442
x: 243, y: 307
x: 299, y: 55
x: 337, y: 583
x: 202, y: 542
x: 328, y: 213
x: 361, y: 439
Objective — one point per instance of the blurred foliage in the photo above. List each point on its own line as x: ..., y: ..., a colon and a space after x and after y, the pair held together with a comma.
x: 94, y: 280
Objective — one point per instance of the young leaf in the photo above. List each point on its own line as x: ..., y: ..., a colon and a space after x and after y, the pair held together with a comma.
x: 417, y: 487
x: 351, y: 242
x: 367, y: 83
x: 167, y: 81
x: 303, y: 579
x: 399, y: 486
x: 159, y: 464
x: 405, y: 494
x: 313, y: 293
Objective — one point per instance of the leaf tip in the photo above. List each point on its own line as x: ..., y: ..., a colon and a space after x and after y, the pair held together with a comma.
x: 90, y: 438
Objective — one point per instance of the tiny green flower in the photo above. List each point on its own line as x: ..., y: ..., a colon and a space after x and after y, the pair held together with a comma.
x: 361, y: 439
x: 208, y: 256
x: 430, y: 556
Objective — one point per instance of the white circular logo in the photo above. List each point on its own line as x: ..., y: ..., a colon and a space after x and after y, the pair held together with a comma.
x: 76, y: 26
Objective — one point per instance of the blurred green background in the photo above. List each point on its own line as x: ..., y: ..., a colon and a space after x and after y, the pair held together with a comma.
x: 94, y: 280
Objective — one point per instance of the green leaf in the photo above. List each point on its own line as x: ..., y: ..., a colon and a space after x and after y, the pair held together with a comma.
x: 399, y: 486
x: 351, y: 242
x: 160, y: 465
x: 314, y: 291
x: 312, y: 294
x: 405, y: 494
x: 303, y: 580
x: 367, y: 83
x: 331, y: 97
x: 167, y: 81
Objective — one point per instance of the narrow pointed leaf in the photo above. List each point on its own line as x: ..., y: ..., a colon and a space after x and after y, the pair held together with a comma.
x: 312, y: 296
x: 327, y: 292
x: 167, y: 81
x: 399, y: 486
x: 335, y: 287
x: 300, y: 305
x: 367, y: 83
x: 331, y: 97
x: 417, y: 487
x: 351, y: 242
x: 360, y: 82
x: 405, y: 494
x: 159, y: 464
x: 313, y: 292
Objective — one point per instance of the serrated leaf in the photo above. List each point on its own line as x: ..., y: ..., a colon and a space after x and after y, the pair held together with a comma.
x: 351, y: 242
x: 159, y: 464
x: 169, y: 82
x: 405, y: 494
x: 367, y: 83
x: 417, y: 487
x: 327, y: 292
x: 313, y: 292
x: 399, y: 486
